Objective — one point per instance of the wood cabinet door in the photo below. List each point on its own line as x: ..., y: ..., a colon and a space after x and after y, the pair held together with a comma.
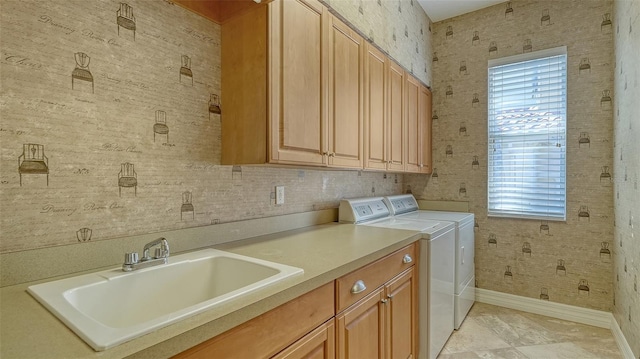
x: 346, y: 51
x: 402, y: 316
x: 424, y: 116
x: 297, y: 81
x: 396, y: 123
x: 319, y: 344
x: 361, y: 329
x: 375, y: 97
x: 412, y: 100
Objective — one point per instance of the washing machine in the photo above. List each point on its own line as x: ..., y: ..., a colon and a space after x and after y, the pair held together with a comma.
x: 437, y: 256
x: 406, y: 207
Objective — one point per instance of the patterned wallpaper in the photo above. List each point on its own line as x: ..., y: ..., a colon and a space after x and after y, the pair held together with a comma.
x: 110, y: 127
x: 626, y: 171
x: 399, y: 27
x: 568, y: 262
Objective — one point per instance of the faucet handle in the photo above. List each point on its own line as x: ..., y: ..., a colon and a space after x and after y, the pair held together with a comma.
x: 161, y: 253
x: 131, y: 258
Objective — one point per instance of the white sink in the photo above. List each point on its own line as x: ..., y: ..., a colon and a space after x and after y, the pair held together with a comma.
x: 111, y: 307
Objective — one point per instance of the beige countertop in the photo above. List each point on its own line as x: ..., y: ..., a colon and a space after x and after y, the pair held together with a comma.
x: 325, y: 252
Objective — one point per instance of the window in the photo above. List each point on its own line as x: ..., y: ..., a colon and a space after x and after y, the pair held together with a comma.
x: 527, y: 118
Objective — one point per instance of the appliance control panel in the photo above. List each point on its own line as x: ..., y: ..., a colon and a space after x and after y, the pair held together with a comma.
x: 402, y: 203
x: 359, y: 210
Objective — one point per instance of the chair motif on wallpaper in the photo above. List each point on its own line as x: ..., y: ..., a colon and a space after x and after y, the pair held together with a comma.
x: 435, y: 116
x: 493, y: 240
x: 187, y: 206
x: 84, y: 234
x: 585, y: 65
x: 434, y: 175
x: 507, y: 273
x: 606, y: 24
x: 449, y: 92
x: 435, y: 57
x: 508, y: 12
x: 476, y: 38
x: 185, y: 68
x: 462, y: 191
x: 449, y: 33
x: 160, y: 127
x: 583, y: 287
x: 127, y: 178
x: 544, y: 227
x: 475, y: 100
x: 449, y: 151
x: 493, y: 48
x: 476, y: 225
x: 584, y: 213
x: 125, y: 18
x: 544, y: 293
x: 605, y: 100
x: 475, y: 164
x: 605, y: 251
x: 526, y: 249
x: 560, y: 268
x: 33, y: 161
x: 463, y: 67
x: 214, y: 105
x: 82, y: 72
x: 545, y: 17
x: 462, y: 131
x: 584, y: 139
x: 527, y: 46
x: 605, y: 175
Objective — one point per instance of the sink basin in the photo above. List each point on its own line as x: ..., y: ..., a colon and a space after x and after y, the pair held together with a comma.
x: 111, y: 307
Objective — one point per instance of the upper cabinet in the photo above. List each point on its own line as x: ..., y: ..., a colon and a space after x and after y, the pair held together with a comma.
x: 424, y: 116
x: 297, y: 68
x: 300, y: 87
x: 346, y: 96
x: 375, y: 109
x: 397, y: 122
x: 418, y: 115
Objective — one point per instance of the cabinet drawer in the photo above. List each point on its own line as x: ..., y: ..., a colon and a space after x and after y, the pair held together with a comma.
x: 269, y: 333
x: 350, y: 289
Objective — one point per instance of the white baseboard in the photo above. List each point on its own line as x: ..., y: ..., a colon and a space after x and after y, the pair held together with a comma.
x: 572, y: 313
x: 624, y: 346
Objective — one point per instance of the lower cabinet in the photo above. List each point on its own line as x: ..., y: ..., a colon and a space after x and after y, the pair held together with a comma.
x: 270, y: 333
x: 319, y: 344
x: 361, y: 332
x: 376, y: 318
x: 383, y: 324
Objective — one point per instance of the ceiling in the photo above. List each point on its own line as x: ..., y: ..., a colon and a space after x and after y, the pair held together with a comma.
x: 438, y: 10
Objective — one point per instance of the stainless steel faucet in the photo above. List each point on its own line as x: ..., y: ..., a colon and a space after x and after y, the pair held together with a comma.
x: 161, y: 255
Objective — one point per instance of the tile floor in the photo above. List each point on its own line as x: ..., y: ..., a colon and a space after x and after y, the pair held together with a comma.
x: 496, y: 332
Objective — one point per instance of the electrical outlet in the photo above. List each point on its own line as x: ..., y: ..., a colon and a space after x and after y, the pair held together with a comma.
x: 279, y: 194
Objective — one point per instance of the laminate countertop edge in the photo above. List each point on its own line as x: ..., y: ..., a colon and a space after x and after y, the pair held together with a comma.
x: 325, y: 252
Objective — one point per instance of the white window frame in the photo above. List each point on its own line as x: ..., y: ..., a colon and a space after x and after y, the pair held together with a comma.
x: 516, y: 175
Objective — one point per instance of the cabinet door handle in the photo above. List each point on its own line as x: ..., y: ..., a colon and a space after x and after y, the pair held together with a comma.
x: 407, y: 259
x: 462, y: 256
x: 384, y: 301
x: 358, y: 287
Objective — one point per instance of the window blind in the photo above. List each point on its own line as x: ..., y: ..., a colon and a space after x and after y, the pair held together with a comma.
x: 527, y: 116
